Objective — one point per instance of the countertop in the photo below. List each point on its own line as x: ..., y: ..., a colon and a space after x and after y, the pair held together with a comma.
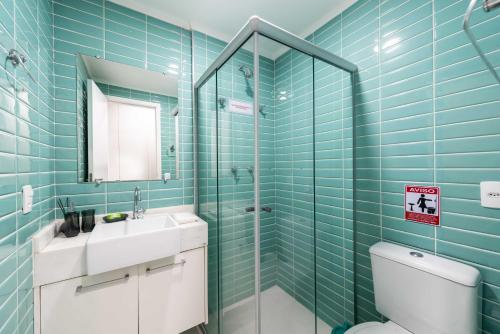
x: 57, y: 258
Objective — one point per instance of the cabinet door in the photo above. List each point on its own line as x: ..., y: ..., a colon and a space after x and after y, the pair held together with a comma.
x: 172, y: 293
x: 99, y: 304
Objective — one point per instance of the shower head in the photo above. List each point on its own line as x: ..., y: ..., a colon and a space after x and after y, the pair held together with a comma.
x: 247, y: 71
x: 490, y: 4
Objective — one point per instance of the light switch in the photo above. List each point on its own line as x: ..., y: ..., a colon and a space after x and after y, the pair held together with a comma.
x: 167, y: 176
x: 27, y: 199
x: 490, y: 194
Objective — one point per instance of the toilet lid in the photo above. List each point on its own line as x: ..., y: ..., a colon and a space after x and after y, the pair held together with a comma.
x: 377, y: 328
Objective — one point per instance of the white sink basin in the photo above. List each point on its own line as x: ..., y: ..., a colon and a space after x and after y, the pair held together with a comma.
x: 123, y: 244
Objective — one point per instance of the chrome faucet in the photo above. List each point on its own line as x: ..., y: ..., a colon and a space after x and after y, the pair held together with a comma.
x: 138, y: 209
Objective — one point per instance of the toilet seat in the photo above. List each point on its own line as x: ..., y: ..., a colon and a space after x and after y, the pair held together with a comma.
x: 377, y: 328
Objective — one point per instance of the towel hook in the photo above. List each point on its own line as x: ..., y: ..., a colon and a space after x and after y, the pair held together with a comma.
x: 16, y: 58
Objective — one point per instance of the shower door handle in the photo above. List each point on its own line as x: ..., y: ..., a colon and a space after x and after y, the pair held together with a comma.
x: 252, y: 209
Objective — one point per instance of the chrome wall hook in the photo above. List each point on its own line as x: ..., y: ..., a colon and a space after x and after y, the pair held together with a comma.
x: 16, y: 58
x: 222, y: 102
x: 261, y: 110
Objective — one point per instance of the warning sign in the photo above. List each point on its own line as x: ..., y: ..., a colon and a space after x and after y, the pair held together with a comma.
x: 422, y: 204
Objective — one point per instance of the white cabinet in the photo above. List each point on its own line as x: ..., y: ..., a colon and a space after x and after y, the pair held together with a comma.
x: 167, y: 296
x: 172, y: 293
x: 100, y: 304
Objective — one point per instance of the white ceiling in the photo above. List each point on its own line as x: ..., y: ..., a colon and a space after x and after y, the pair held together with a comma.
x: 223, y: 18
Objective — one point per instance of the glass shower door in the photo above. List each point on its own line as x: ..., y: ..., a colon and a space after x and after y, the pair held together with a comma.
x: 299, y: 249
x: 235, y: 146
x: 333, y: 196
x: 206, y: 132
x: 288, y: 297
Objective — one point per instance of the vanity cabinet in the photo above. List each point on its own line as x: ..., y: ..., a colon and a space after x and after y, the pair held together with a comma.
x: 166, y: 296
x: 105, y: 303
x: 172, y: 293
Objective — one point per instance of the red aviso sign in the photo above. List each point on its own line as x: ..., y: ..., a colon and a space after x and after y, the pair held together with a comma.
x: 422, y: 204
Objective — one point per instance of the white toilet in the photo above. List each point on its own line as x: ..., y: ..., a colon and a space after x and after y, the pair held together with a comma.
x: 421, y: 293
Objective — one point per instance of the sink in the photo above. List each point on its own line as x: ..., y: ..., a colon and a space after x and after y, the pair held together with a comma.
x: 127, y: 243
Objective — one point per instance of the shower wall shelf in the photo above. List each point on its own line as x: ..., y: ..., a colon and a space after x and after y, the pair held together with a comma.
x: 488, y: 5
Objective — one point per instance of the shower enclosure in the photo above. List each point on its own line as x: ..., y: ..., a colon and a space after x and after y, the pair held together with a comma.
x: 273, y: 127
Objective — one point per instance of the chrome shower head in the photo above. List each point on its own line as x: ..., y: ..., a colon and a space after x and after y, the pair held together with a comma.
x: 247, y: 72
x: 490, y: 4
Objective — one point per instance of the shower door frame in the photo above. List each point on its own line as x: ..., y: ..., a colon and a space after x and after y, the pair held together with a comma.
x: 253, y: 28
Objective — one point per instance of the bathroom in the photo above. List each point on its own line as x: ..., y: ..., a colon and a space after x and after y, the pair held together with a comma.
x: 329, y: 166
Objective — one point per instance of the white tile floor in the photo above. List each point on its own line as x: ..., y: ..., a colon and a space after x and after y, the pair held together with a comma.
x: 281, y: 314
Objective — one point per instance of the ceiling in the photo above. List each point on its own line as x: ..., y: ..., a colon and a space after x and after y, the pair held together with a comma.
x: 223, y: 18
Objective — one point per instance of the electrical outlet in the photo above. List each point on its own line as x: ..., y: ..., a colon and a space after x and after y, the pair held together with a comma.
x: 27, y: 199
x: 490, y: 194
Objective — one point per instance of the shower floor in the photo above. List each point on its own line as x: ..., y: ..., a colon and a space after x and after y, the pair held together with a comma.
x: 281, y: 314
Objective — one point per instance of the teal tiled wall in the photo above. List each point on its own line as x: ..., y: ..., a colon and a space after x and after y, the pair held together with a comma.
x: 314, y: 185
x: 295, y: 177
x: 26, y: 152
x: 102, y: 28
x: 334, y: 190
x: 427, y: 112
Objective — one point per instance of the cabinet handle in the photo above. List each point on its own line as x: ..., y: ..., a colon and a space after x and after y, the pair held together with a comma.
x: 181, y: 263
x: 81, y: 287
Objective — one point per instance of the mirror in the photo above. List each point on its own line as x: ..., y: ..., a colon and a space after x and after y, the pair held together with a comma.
x: 127, y: 122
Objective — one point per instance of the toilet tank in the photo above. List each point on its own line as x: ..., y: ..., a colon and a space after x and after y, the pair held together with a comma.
x: 423, y: 293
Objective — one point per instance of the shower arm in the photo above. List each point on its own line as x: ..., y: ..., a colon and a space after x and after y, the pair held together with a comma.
x: 488, y: 5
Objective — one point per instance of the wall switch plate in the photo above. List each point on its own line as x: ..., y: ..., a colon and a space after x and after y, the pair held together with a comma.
x: 27, y: 199
x: 167, y: 176
x: 490, y: 194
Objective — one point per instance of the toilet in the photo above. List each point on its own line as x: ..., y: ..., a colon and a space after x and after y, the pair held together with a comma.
x: 420, y: 293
